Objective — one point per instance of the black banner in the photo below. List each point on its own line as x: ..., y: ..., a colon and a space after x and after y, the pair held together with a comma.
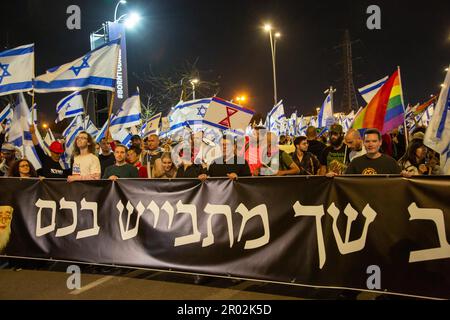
x: 368, y: 233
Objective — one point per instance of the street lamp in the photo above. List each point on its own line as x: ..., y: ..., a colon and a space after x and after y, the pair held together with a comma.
x: 193, y: 83
x: 117, y: 6
x: 45, y: 125
x: 241, y: 99
x: 268, y: 28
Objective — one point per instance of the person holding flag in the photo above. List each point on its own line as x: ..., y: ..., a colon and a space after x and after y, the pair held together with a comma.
x: 51, y: 166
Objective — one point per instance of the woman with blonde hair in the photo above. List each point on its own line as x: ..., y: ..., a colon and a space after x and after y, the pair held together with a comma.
x: 164, y: 167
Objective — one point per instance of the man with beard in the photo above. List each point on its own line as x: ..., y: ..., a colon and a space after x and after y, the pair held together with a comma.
x: 334, y: 158
x: 5, y: 225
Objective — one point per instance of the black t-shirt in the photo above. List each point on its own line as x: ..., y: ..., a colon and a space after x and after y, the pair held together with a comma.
x: 381, y: 165
x: 50, y: 168
x: 193, y: 171
x: 309, y: 164
x: 221, y: 170
x: 335, y: 160
x: 316, y: 147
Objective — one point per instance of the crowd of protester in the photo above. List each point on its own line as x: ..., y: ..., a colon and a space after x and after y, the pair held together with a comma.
x: 333, y: 153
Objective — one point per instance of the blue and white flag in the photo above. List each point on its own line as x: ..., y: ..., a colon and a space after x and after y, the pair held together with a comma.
x: 188, y: 114
x: 276, y: 118
x: 124, y: 136
x: 102, y: 132
x: 17, y: 69
x: 325, y: 116
x: 94, y: 70
x: 6, y: 113
x: 370, y: 90
x: 348, y: 121
x: 71, y: 137
x: 301, y: 126
x: 75, y: 122
x: 437, y: 136
x: 151, y: 126
x: 128, y: 115
x: 19, y: 133
x: 90, y: 127
x: 70, y: 106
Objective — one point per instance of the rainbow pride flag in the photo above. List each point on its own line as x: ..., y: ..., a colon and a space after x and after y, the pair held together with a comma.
x: 385, y: 111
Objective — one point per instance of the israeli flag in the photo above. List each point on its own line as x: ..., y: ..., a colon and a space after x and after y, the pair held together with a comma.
x: 348, y: 121
x: 71, y: 136
x: 437, y: 136
x: 151, y: 126
x: 128, y: 115
x: 75, y: 122
x: 369, y: 91
x: 124, y: 136
x: 90, y: 127
x: 49, y: 138
x: 19, y: 133
x: 70, y: 106
x: 94, y: 70
x: 276, y: 118
x: 6, y: 113
x: 101, y: 133
x: 17, y: 69
x: 325, y: 113
x: 188, y: 114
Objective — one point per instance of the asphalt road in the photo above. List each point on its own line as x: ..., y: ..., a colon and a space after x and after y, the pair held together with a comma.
x: 27, y: 280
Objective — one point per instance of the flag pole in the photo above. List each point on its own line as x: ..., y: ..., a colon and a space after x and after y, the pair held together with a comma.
x: 405, y: 130
x: 113, y: 94
x: 85, y: 109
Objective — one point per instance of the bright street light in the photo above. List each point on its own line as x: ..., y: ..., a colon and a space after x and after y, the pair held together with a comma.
x: 273, y: 42
x: 241, y: 99
x: 45, y: 125
x: 193, y: 83
x: 117, y: 6
x: 132, y: 19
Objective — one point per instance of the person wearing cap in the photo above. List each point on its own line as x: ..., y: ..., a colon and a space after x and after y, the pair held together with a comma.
x: 136, y: 141
x: 51, y: 167
x: 9, y: 156
x: 334, y: 158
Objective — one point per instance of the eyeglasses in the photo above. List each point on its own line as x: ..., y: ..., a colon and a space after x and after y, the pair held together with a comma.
x: 24, y: 165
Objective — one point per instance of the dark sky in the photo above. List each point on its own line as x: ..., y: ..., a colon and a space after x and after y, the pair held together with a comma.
x: 228, y: 39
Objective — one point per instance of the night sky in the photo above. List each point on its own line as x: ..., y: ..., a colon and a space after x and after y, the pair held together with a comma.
x: 228, y: 39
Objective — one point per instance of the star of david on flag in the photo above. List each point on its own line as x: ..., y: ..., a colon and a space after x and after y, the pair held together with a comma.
x: 83, y: 65
x: 95, y: 70
x: 16, y: 69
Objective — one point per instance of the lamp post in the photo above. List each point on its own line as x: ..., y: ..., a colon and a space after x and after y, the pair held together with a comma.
x: 117, y: 6
x: 268, y: 28
x: 193, y: 83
